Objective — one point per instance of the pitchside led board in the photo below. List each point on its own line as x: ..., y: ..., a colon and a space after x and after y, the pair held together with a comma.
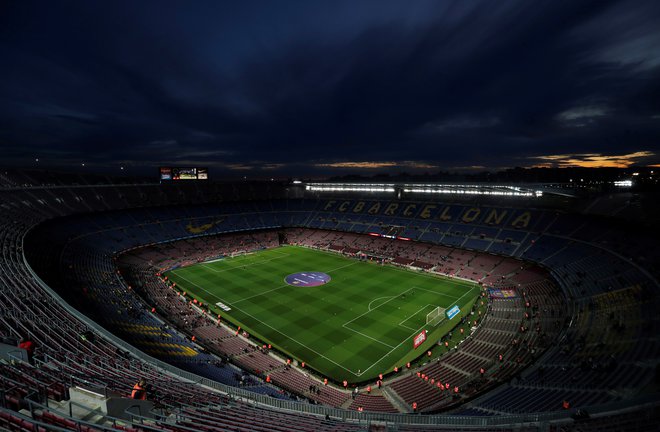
x: 452, y: 312
x: 419, y: 339
x: 183, y: 173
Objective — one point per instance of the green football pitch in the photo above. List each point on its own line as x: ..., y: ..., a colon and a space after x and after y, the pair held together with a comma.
x: 358, y: 324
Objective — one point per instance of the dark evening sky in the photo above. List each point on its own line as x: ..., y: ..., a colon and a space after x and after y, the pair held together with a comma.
x: 329, y: 87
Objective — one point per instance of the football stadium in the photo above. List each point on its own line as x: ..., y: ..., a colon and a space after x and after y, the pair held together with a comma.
x: 330, y: 216
x: 313, y: 306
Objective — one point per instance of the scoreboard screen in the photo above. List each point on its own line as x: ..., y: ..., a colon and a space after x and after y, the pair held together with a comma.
x: 183, y: 173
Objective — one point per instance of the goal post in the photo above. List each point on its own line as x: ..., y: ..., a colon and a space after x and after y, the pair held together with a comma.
x: 435, y: 316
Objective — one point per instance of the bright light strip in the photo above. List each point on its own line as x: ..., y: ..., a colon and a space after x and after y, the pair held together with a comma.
x: 623, y: 183
x: 537, y: 193
x: 466, y: 189
x: 348, y: 188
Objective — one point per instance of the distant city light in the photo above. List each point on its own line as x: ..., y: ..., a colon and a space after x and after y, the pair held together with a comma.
x: 623, y: 183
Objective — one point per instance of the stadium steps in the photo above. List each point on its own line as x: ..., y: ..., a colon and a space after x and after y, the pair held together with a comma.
x: 493, y: 344
x: 528, y: 246
x: 396, y: 400
x: 89, y: 414
x: 477, y: 356
x: 506, y: 332
x: 68, y: 413
x: 455, y: 368
x: 557, y: 252
x: 483, y: 409
x: 347, y: 403
x: 581, y: 389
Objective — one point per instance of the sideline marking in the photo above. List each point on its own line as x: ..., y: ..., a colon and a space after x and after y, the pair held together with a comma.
x: 367, y: 336
x: 436, y: 293
x: 285, y: 335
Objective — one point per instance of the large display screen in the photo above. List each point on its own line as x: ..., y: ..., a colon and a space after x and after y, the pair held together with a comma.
x: 183, y: 173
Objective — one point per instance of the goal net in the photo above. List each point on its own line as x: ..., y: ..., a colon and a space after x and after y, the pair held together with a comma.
x: 435, y: 316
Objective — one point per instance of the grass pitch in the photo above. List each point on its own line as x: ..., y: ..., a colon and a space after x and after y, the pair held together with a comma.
x: 359, y: 324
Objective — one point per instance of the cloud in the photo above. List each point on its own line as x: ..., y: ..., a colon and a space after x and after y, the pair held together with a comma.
x: 377, y: 165
x: 468, y: 168
x: 367, y: 165
x: 459, y: 123
x: 273, y: 166
x: 580, y: 115
x: 382, y: 85
x: 239, y: 167
x: 163, y: 143
x: 594, y: 160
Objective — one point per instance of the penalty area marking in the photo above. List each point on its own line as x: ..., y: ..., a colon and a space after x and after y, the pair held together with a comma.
x: 392, y: 350
x: 369, y: 310
x: 418, y: 310
x: 408, y: 338
x: 370, y: 303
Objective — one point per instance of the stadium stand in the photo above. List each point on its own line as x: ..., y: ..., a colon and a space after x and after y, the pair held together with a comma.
x: 581, y: 330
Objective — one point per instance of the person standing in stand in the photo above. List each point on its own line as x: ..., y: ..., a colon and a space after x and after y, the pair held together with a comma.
x: 139, y: 390
x: 27, y: 344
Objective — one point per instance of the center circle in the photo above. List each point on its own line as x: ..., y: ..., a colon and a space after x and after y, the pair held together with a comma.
x: 307, y: 279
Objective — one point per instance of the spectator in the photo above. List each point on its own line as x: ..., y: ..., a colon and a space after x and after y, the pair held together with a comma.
x: 139, y: 390
x: 28, y: 346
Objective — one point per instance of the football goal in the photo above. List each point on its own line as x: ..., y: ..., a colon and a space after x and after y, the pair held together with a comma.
x: 435, y: 316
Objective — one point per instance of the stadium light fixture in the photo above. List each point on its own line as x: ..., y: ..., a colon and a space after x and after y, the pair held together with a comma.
x: 348, y: 188
x: 420, y: 188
